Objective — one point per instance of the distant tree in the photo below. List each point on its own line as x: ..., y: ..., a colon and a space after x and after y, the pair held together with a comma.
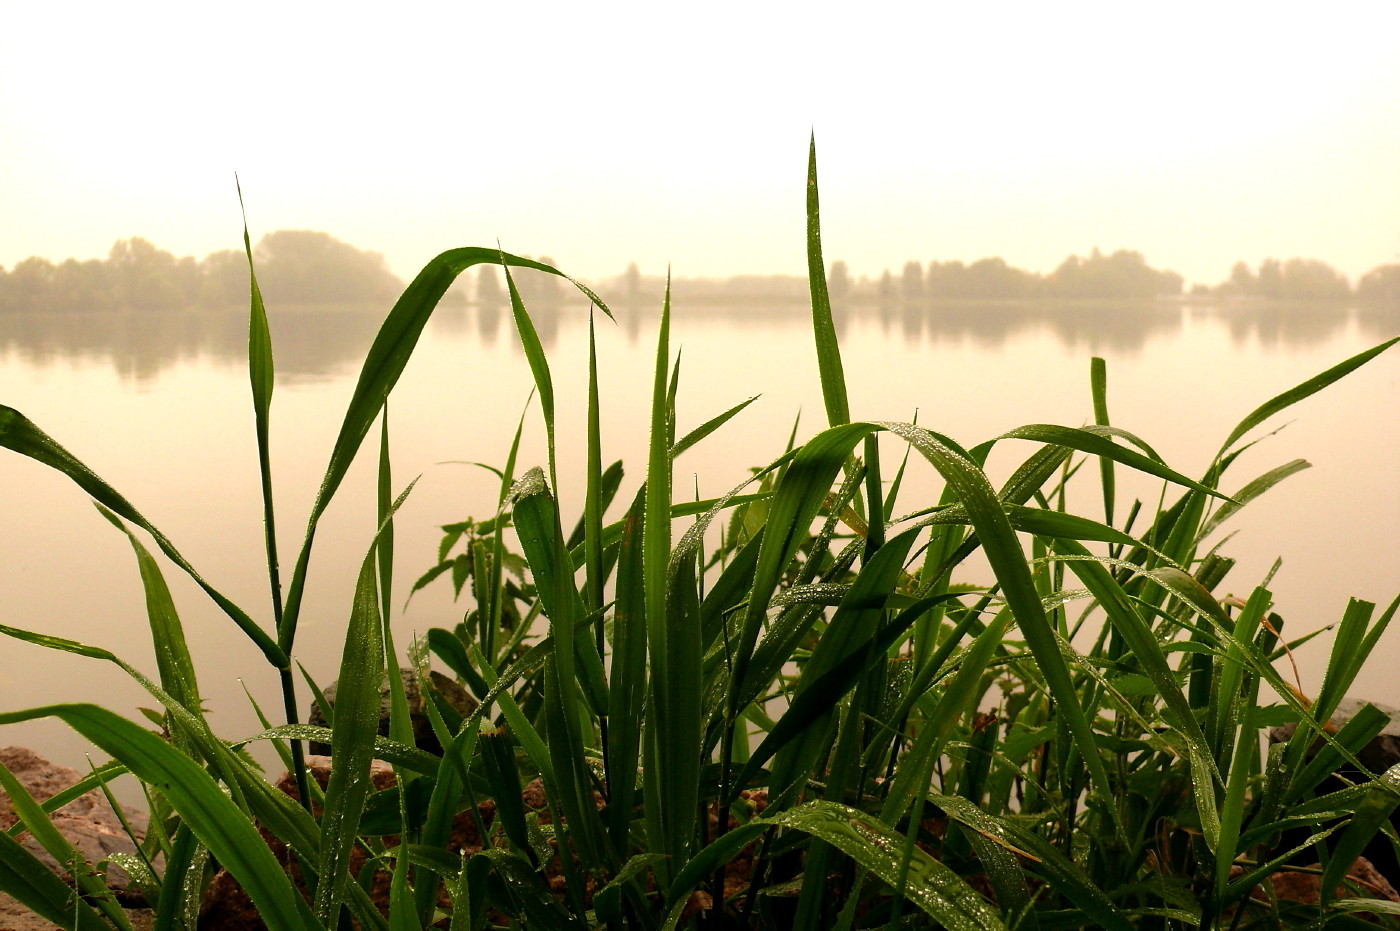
x: 1271, y: 279
x: 146, y: 278
x: 632, y: 281
x: 1124, y: 275
x: 1293, y: 280
x: 548, y: 288
x: 83, y: 286
x: 946, y: 279
x: 1312, y: 280
x: 911, y: 282
x: 310, y: 267
x: 29, y: 285
x: 886, y: 289
x: 488, y: 286
x: 993, y: 279
x: 838, y: 280
x: 223, y: 279
x: 1380, y: 287
x: 1242, y: 281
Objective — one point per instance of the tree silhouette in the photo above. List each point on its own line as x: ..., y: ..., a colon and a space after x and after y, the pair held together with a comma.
x: 307, y: 267
x: 488, y: 287
x: 911, y: 282
x: 838, y: 280
x: 1380, y: 287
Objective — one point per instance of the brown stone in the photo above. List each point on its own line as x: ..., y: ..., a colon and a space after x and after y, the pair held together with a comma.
x: 87, y: 822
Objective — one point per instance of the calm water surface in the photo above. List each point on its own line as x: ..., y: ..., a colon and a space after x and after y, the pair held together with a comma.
x: 158, y: 405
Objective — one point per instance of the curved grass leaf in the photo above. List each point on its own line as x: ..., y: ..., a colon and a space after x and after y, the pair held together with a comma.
x: 384, y: 363
x: 1251, y: 491
x: 1308, y: 388
x: 942, y: 894
x: 228, y: 832
x: 1089, y: 441
x: 20, y: 434
x: 1064, y: 875
x: 177, y: 675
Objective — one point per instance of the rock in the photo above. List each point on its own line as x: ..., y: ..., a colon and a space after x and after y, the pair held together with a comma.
x: 456, y: 698
x: 1307, y: 887
x: 88, y: 822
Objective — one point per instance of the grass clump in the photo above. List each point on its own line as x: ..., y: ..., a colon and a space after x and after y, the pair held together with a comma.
x: 792, y: 714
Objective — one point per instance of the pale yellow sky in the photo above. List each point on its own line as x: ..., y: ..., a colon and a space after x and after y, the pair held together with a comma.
x: 602, y: 133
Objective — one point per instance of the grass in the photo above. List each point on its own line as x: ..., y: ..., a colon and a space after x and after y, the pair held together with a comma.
x: 789, y: 714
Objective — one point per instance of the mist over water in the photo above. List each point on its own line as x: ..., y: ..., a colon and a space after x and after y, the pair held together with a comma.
x: 158, y: 404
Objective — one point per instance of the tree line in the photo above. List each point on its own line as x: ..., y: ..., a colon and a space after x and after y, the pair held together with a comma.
x: 1121, y: 275
x: 293, y: 266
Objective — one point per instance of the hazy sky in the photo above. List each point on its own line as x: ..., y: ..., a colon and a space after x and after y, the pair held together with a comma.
x: 601, y: 133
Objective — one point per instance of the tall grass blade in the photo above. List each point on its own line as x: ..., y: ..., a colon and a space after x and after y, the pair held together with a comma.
x: 539, y: 367
x: 352, y: 741
x: 673, y: 763
x: 261, y: 377
x: 1067, y: 877
x: 833, y: 378
x: 1098, y: 382
x: 384, y: 363
x: 628, y: 684
x: 573, y: 659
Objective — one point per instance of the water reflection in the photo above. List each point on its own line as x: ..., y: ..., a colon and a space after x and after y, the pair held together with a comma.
x: 314, y: 343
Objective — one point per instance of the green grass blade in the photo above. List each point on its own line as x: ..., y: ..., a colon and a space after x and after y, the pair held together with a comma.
x: 848, y: 636
x: 352, y: 741
x: 384, y: 363
x: 670, y: 801
x: 1064, y: 875
x: 1308, y: 388
x: 708, y: 427
x: 628, y: 680
x: 1098, y: 381
x: 38, y: 889
x: 1091, y: 442
x: 593, y: 502
x: 542, y: 541
x: 20, y: 434
x: 261, y: 377
x: 539, y: 367
x: 1375, y: 810
x: 1251, y: 491
x: 942, y: 894
x: 1013, y: 573
x: 833, y: 377
x: 228, y: 832
x: 176, y: 667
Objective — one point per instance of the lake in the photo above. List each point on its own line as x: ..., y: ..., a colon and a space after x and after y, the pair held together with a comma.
x: 158, y: 404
